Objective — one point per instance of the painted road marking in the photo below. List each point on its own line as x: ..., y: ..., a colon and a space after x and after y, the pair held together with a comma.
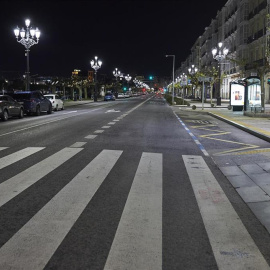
x: 34, y: 244
x: 192, y: 136
x: 78, y: 144
x: 138, y: 239
x: 212, y: 136
x: 15, y: 185
x: 106, y: 127
x: 231, y: 243
x: 111, y: 123
x: 90, y: 137
x: 21, y: 154
x: 3, y: 148
x: 99, y: 131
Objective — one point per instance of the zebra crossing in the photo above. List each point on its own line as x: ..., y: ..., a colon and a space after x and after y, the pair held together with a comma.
x: 137, y: 243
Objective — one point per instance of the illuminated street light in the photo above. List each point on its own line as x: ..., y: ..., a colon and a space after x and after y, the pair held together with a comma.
x: 219, y: 54
x: 192, y: 71
x: 128, y: 78
x: 95, y: 64
x: 116, y: 73
x: 27, y: 38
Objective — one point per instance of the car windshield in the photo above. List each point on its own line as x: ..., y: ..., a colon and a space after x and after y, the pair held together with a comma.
x: 21, y: 96
x: 49, y: 97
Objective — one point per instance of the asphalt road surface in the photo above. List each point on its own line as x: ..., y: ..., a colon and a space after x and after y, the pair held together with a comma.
x: 124, y: 185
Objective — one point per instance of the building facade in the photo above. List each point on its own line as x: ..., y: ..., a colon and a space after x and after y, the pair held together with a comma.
x: 243, y: 27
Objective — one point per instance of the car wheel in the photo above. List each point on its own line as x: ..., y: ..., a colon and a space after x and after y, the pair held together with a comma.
x: 56, y: 108
x: 5, y: 115
x: 21, y: 114
x: 37, y: 110
x: 62, y: 107
x: 50, y: 110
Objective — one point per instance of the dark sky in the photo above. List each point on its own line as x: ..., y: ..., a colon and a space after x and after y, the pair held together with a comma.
x: 133, y: 36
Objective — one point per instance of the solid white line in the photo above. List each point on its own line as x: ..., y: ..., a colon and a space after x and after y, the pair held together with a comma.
x: 15, y: 185
x: 78, y: 144
x: 231, y: 243
x: 3, y: 148
x: 14, y: 157
x: 33, y: 245
x: 138, y: 240
x: 47, y: 122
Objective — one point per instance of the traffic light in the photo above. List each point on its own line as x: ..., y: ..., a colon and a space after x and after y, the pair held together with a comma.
x: 151, y: 77
x: 125, y: 88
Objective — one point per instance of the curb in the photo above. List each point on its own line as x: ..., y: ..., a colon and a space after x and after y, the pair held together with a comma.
x: 248, y: 130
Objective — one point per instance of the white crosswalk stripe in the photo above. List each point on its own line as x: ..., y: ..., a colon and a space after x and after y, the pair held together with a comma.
x: 15, y: 185
x: 230, y: 241
x: 137, y: 242
x: 21, y: 154
x: 32, y: 247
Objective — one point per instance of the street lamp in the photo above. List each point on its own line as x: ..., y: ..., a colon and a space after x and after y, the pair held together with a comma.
x: 219, y: 54
x: 192, y: 71
x: 128, y: 78
x: 28, y: 38
x: 95, y: 64
x: 116, y: 73
x: 173, y: 56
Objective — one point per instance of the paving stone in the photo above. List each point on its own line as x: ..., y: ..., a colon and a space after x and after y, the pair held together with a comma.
x: 231, y: 170
x: 261, y: 179
x: 241, y: 181
x: 266, y: 188
x: 262, y: 211
x: 265, y: 166
x: 252, y: 194
x: 252, y: 169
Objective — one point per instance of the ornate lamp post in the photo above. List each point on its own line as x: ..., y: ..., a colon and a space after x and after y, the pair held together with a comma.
x: 95, y: 64
x: 116, y: 73
x: 28, y: 38
x: 192, y: 71
x: 128, y: 78
x: 219, y: 54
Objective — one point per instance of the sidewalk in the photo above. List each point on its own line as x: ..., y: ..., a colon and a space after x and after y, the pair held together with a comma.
x: 257, y: 126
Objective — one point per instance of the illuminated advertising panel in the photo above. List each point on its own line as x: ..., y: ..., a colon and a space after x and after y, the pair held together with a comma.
x: 237, y: 94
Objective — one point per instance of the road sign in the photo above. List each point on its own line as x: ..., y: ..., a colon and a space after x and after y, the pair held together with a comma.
x: 205, y: 79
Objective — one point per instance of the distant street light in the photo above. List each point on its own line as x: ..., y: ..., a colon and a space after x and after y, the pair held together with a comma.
x: 219, y: 54
x: 192, y: 71
x: 28, y: 38
x: 128, y: 78
x: 173, y: 56
x: 95, y: 64
x: 116, y: 73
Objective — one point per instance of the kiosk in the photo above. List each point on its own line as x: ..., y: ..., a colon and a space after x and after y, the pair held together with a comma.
x: 253, y: 94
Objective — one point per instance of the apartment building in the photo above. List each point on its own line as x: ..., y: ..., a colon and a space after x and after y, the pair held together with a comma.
x: 243, y: 27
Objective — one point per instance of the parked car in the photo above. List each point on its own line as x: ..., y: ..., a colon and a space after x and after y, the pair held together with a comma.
x: 121, y: 95
x: 10, y: 107
x: 57, y: 102
x: 33, y: 102
x: 109, y: 96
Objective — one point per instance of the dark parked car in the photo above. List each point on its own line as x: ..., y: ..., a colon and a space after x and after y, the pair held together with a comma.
x: 109, y: 96
x: 9, y: 107
x: 33, y: 102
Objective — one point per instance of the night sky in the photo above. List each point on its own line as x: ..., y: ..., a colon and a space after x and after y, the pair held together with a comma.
x: 133, y: 36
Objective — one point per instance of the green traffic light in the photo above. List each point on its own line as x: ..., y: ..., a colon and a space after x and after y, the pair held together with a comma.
x: 150, y: 77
